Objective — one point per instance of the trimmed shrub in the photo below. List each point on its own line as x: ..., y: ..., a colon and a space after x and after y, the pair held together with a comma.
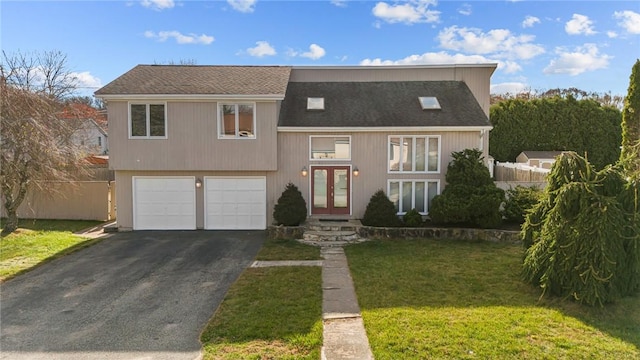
x: 470, y: 197
x: 412, y: 218
x: 291, y: 209
x: 519, y: 201
x: 380, y: 211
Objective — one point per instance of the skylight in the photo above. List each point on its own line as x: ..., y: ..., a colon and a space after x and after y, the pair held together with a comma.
x: 429, y: 103
x: 315, y: 103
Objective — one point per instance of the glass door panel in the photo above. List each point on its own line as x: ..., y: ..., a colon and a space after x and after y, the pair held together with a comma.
x: 340, y: 188
x: 320, y: 200
x: 330, y: 189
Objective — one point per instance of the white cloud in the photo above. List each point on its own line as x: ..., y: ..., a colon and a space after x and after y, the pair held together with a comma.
x: 179, y: 37
x: 315, y: 52
x: 629, y: 20
x: 442, y: 57
x: 339, y: 3
x: 499, y: 42
x: 245, y: 6
x: 529, y: 21
x: 158, y: 4
x: 410, y: 12
x: 86, y: 80
x: 612, y: 34
x: 579, y: 24
x: 584, y: 58
x: 261, y: 49
x: 465, y: 9
x: 509, y: 88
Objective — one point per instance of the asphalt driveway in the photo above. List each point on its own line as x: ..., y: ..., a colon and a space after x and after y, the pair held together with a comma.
x: 137, y: 295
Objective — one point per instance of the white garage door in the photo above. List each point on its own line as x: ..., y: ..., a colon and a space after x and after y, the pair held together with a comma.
x: 235, y: 203
x: 164, y: 203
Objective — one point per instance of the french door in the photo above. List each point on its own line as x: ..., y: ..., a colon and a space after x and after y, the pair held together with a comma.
x: 331, y: 190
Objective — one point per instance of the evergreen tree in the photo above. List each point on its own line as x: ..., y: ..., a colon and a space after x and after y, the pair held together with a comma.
x: 380, y: 211
x: 291, y: 209
x: 582, y: 239
x: 630, y: 155
x: 470, y: 197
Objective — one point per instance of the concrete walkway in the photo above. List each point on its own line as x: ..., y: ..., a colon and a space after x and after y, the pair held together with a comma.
x: 344, y: 336
x: 343, y: 333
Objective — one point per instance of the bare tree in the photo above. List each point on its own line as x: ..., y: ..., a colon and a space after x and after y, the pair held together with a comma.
x: 35, y: 141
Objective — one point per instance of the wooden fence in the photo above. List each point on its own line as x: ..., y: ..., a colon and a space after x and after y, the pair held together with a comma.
x: 515, y: 172
x: 80, y: 200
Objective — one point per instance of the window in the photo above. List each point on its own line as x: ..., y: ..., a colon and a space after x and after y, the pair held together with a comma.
x: 147, y: 121
x: 414, y: 154
x: 99, y: 140
x: 429, y: 103
x: 330, y: 147
x: 236, y: 121
x: 412, y: 194
x: 315, y: 103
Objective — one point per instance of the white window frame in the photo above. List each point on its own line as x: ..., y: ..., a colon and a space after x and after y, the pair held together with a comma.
x: 413, y: 192
x: 148, y: 123
x: 237, y: 120
x: 413, y: 151
x: 328, y: 136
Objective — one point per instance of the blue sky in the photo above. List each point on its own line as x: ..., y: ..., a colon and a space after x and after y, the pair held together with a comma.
x: 539, y: 45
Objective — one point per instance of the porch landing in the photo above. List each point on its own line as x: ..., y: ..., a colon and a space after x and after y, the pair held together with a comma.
x: 328, y: 233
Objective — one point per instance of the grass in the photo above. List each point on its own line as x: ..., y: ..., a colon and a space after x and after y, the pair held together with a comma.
x: 270, y: 313
x: 425, y: 299
x: 280, y: 249
x: 38, y: 241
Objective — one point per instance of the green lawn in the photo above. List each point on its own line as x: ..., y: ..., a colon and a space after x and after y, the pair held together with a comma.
x: 280, y: 249
x: 447, y: 299
x: 38, y: 241
x: 270, y: 313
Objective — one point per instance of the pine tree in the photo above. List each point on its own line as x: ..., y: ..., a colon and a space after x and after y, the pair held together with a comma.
x: 630, y: 155
x: 291, y: 209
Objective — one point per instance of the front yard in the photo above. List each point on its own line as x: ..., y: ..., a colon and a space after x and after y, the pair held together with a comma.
x: 38, y: 241
x: 448, y: 299
x: 270, y: 313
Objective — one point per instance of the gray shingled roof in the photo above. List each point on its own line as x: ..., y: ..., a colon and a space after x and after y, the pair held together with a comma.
x: 379, y: 104
x: 203, y: 80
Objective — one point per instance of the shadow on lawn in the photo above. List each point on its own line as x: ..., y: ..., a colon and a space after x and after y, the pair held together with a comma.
x: 439, y: 274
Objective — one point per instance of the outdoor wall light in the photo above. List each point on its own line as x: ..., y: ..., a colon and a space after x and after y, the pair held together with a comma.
x: 356, y: 172
x: 304, y: 171
x: 198, y: 183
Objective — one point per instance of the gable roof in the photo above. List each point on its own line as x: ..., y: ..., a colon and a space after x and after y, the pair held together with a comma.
x: 201, y: 80
x: 542, y: 154
x: 381, y: 104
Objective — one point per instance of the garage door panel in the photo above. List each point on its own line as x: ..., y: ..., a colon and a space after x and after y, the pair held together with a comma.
x: 164, y: 203
x: 235, y: 203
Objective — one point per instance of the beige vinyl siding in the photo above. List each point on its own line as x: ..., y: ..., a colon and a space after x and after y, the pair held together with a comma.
x: 476, y: 77
x: 192, y: 140
x: 368, y: 153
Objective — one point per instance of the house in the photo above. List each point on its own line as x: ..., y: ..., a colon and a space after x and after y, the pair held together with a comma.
x: 542, y: 159
x: 213, y: 147
x: 90, y: 127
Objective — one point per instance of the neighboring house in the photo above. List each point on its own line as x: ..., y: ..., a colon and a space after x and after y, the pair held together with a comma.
x: 542, y: 159
x: 92, y: 137
x: 90, y: 127
x: 213, y: 147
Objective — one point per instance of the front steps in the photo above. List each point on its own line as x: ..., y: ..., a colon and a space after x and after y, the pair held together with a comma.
x: 331, y: 233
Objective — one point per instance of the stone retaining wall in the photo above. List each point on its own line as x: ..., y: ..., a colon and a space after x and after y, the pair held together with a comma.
x: 285, y: 232
x: 370, y: 232
x: 468, y: 234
